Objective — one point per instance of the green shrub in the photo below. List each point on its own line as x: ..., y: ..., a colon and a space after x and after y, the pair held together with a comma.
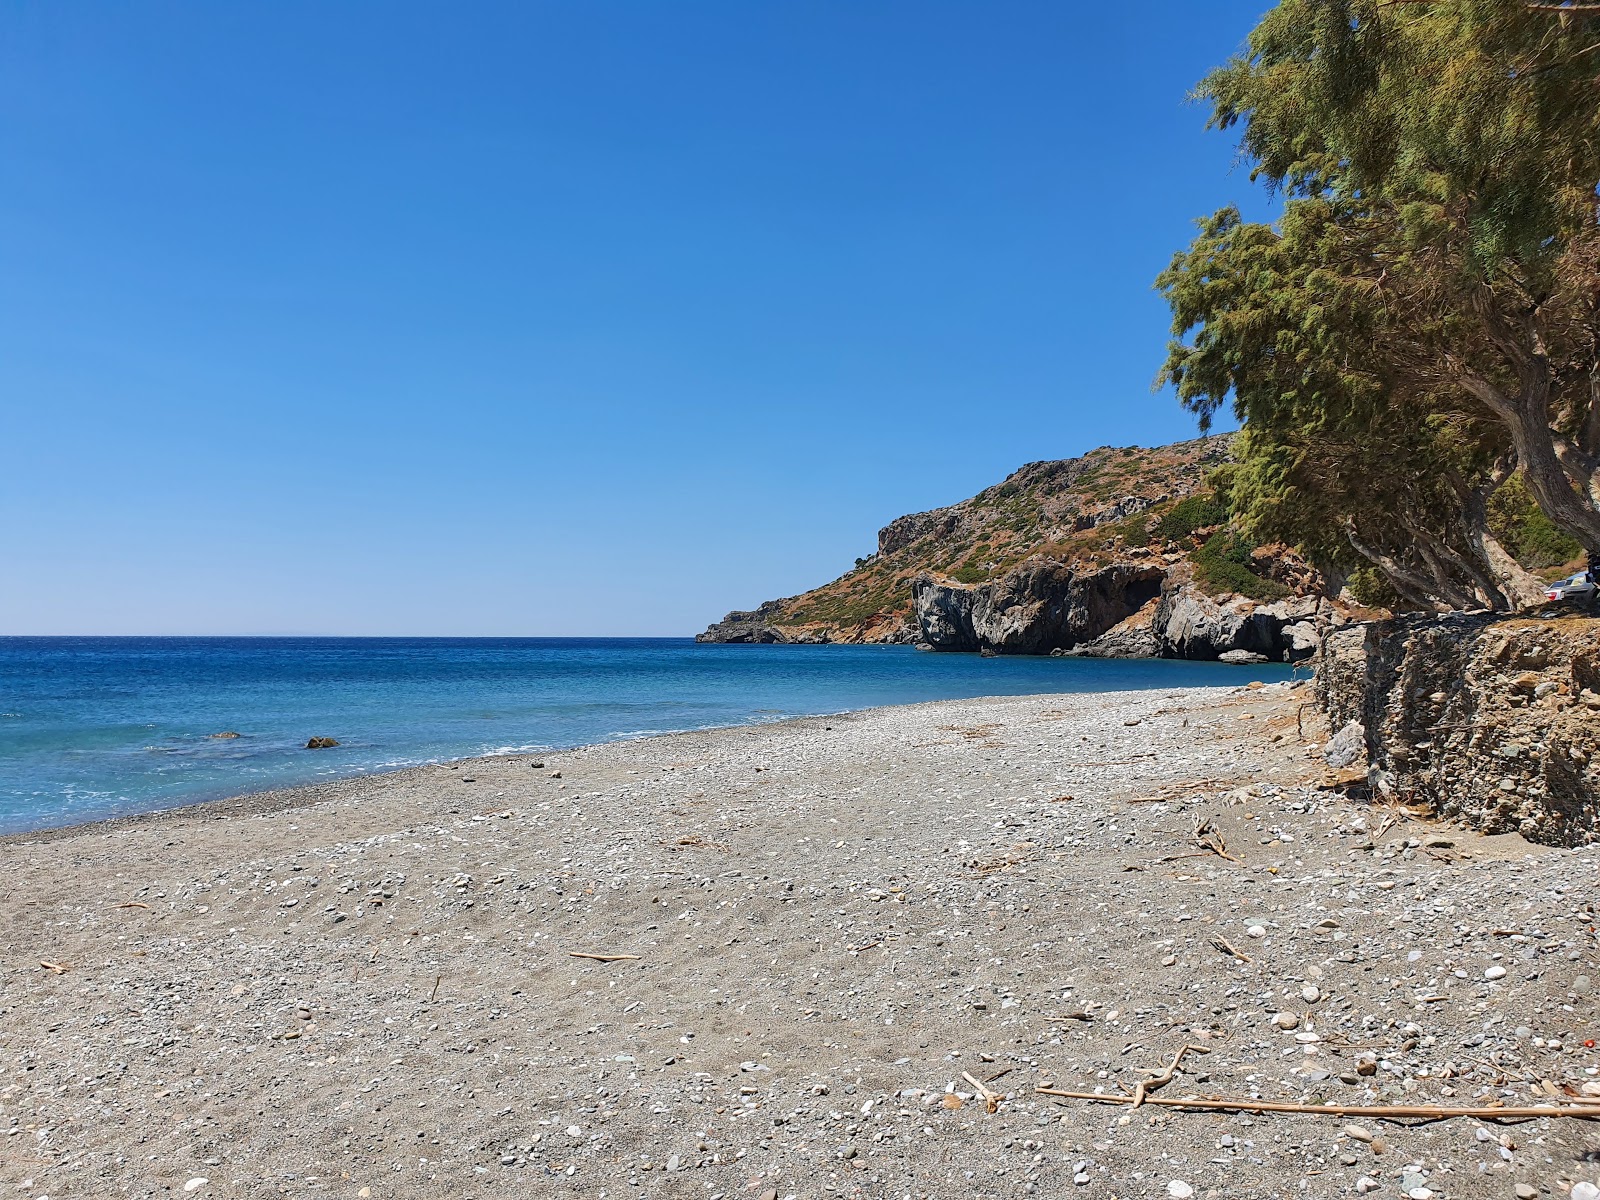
x: 1529, y: 536
x: 1195, y: 512
x: 1223, y: 565
x: 1372, y: 590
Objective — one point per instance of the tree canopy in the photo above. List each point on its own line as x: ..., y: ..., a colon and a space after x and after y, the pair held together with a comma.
x: 1424, y: 317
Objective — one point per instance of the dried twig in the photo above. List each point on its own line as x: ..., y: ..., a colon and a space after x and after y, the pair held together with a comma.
x: 1208, y: 837
x: 1163, y: 1077
x: 1375, y: 1111
x: 991, y: 1099
x: 1072, y: 1016
x: 131, y: 904
x: 1228, y: 948
x: 434, y: 995
x: 603, y: 957
x: 57, y: 968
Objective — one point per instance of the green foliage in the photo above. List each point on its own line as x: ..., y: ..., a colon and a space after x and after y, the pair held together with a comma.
x: 1189, y: 514
x: 1523, y: 529
x: 969, y: 574
x: 1223, y: 565
x: 1436, y: 252
x: 1372, y: 590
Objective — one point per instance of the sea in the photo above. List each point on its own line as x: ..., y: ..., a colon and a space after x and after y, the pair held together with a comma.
x: 94, y: 727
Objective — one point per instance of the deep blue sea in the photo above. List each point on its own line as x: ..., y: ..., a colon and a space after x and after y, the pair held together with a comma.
x: 94, y: 727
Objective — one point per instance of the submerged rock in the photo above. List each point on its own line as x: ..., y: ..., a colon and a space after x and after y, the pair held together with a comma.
x: 321, y: 743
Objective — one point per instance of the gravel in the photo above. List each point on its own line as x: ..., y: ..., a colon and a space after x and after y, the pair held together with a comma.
x: 366, y: 988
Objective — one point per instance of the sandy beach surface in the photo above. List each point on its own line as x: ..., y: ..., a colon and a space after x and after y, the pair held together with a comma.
x: 826, y: 931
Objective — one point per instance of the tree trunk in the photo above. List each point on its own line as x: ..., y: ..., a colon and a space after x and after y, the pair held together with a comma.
x: 1409, y: 584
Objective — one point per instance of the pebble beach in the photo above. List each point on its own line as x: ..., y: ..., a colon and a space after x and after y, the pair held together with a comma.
x: 828, y: 957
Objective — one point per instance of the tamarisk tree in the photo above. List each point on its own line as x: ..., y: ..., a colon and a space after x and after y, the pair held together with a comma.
x: 1424, y: 317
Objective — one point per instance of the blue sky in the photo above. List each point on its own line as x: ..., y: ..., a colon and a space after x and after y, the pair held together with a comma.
x: 563, y: 318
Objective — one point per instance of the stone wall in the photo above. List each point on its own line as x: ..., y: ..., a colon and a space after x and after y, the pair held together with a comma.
x: 1492, y: 720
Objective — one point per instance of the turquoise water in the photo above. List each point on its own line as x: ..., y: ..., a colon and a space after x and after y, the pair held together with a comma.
x: 94, y: 727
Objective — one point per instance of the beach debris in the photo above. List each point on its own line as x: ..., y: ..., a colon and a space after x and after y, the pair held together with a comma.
x: 131, y: 904
x: 604, y: 957
x: 1021, y: 853
x: 1376, y: 1112
x: 55, y: 967
x: 322, y: 743
x: 991, y: 1098
x: 1164, y: 1076
x: 434, y: 995
x: 1210, y: 840
x: 1228, y: 948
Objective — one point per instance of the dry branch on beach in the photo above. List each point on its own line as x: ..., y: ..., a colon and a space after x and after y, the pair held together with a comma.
x: 1378, y: 1112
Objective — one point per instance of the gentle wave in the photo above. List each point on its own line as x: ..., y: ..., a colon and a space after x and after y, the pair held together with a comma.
x: 120, y: 725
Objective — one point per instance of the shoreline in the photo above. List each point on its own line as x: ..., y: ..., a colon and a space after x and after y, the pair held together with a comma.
x: 812, y: 932
x: 275, y: 799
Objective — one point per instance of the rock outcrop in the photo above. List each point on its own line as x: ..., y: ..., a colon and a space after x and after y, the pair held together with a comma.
x: 1064, y: 556
x: 757, y: 627
x: 1190, y: 624
x: 1493, y: 721
x: 1040, y: 608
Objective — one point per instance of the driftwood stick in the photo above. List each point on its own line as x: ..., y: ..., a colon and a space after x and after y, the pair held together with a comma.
x: 1164, y: 1077
x: 1072, y: 1016
x: 55, y: 967
x: 991, y: 1098
x: 434, y: 995
x: 131, y: 904
x: 1375, y: 1111
x: 604, y: 957
x: 1228, y: 948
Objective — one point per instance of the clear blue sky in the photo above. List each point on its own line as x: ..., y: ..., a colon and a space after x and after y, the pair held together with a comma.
x: 589, y: 317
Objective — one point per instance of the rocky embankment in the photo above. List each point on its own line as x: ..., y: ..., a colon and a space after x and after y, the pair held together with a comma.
x: 1108, y: 555
x: 1491, y: 721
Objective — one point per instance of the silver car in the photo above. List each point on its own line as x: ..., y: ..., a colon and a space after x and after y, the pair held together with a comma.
x: 1577, y: 586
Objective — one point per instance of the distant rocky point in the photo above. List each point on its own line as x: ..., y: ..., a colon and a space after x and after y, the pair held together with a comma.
x: 1120, y: 553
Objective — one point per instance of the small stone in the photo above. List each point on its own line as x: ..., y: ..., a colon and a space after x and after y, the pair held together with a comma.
x: 1357, y: 1134
x: 1495, y: 972
x: 1286, y: 1020
x: 1581, y: 985
x: 195, y: 1184
x: 574, y: 1131
x: 1081, y: 1178
x: 1256, y: 931
x: 1526, y: 1191
x: 1420, y: 1193
x: 1367, y: 1184
x: 1310, y: 994
x: 1584, y: 1190
x: 1179, y: 1190
x: 672, y: 1163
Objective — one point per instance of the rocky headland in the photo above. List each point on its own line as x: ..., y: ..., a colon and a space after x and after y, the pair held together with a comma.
x: 1119, y: 553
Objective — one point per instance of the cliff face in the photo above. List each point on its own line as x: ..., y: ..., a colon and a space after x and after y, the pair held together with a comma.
x: 1492, y: 721
x: 1081, y: 556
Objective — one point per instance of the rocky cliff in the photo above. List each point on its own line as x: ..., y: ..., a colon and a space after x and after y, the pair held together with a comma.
x: 1492, y: 721
x: 1117, y: 553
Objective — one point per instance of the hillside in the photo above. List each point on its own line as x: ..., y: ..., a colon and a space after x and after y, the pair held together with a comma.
x: 1095, y: 540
